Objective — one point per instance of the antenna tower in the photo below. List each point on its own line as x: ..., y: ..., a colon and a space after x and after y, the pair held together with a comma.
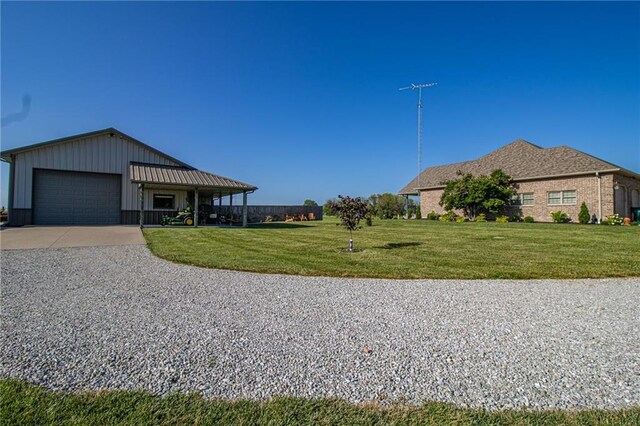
x: 419, y: 87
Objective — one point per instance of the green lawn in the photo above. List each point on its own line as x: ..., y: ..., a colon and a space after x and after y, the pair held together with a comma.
x: 409, y: 249
x: 24, y: 404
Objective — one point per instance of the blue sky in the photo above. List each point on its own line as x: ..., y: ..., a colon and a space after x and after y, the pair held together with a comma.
x: 302, y: 100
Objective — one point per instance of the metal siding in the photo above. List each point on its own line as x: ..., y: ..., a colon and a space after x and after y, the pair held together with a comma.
x: 131, y: 201
x: 18, y: 177
x: 77, y: 152
x: 103, y: 154
x: 54, y: 157
x: 99, y: 154
x: 99, y: 160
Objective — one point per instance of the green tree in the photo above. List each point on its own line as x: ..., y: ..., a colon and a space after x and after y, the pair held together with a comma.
x: 370, y: 214
x: 411, y: 208
x: 309, y: 202
x: 387, y: 205
x: 328, y: 208
x: 350, y: 211
x: 477, y: 194
x: 584, y: 215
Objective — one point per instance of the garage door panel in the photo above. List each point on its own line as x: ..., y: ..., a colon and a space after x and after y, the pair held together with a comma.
x: 67, y: 198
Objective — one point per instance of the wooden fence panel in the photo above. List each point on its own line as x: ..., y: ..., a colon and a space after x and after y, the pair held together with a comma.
x: 257, y: 214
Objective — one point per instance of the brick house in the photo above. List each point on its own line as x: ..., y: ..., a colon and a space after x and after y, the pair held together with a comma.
x: 548, y: 179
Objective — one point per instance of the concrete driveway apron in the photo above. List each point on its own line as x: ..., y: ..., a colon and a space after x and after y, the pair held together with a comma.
x: 31, y: 237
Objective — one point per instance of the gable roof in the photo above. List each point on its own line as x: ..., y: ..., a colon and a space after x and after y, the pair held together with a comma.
x: 182, y: 176
x: 5, y: 155
x: 521, y: 160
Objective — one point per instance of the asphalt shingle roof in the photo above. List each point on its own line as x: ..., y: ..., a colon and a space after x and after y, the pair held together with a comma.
x: 170, y: 175
x: 520, y: 159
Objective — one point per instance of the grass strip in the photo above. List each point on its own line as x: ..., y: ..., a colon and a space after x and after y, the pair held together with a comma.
x: 25, y: 404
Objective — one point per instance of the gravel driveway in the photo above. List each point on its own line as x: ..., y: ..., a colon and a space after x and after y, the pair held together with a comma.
x: 117, y: 317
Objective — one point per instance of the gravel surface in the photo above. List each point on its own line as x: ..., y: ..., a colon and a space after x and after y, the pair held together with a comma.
x: 120, y: 318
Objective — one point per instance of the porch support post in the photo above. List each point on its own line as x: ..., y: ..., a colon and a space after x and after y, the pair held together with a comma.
x: 244, y: 209
x: 230, y: 209
x: 141, y: 189
x: 195, y: 208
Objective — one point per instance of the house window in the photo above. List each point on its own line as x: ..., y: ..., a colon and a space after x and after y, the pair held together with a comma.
x: 525, y: 199
x: 161, y: 201
x: 561, y: 197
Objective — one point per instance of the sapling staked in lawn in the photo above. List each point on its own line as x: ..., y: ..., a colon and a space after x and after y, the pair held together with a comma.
x: 350, y: 211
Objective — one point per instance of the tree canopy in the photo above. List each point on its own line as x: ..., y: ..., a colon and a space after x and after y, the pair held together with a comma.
x: 350, y: 211
x: 309, y: 202
x: 478, y: 194
x: 387, y: 205
x: 329, y: 207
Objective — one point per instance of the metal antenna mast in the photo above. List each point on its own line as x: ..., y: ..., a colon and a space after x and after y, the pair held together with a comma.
x: 419, y: 87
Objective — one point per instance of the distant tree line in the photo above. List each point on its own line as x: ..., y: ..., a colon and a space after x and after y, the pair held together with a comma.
x: 382, y: 206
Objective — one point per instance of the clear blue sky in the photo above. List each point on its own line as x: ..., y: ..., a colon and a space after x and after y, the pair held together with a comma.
x: 302, y: 100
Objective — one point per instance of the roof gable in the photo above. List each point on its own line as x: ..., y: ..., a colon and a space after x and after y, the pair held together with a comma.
x: 521, y: 160
x: 5, y: 155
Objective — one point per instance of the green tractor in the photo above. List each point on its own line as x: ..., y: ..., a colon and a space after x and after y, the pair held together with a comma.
x: 184, y: 217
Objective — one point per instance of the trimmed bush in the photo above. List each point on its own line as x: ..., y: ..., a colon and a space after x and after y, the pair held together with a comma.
x: 613, y: 220
x: 460, y: 219
x: 560, y: 217
x: 481, y: 217
x: 516, y: 218
x: 433, y: 215
x: 528, y: 219
x: 502, y: 219
x: 584, y: 215
x: 418, y: 213
x: 449, y: 216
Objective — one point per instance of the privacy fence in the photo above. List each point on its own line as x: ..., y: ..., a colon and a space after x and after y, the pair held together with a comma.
x: 257, y: 214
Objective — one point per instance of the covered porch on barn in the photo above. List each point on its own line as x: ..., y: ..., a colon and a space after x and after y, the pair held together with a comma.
x: 158, y: 184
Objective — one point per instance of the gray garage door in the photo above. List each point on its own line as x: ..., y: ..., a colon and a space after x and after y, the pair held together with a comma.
x: 75, y: 198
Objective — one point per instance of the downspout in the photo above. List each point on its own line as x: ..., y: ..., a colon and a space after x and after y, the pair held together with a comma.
x: 599, y: 197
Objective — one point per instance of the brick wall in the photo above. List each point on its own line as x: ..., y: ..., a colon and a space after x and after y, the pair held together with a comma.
x: 586, y: 188
x: 429, y: 201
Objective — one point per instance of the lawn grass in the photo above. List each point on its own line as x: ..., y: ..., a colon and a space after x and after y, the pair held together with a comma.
x: 25, y: 404
x: 409, y: 249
